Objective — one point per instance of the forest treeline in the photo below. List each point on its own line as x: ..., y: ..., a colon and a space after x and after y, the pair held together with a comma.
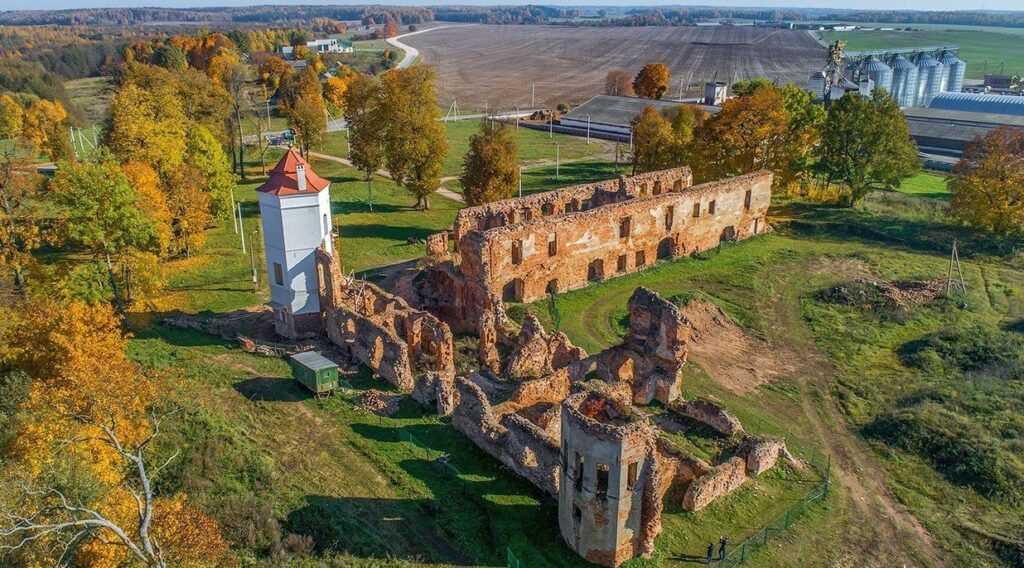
x: 260, y: 14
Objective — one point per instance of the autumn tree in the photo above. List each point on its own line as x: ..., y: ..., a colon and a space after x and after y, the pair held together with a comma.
x: 21, y: 211
x: 390, y: 28
x: 652, y: 81
x: 105, y: 218
x: 489, y: 169
x: 271, y: 75
x: 11, y: 117
x: 148, y: 125
x: 866, y: 145
x: 988, y: 182
x: 334, y: 92
x: 747, y: 135
x: 308, y: 118
x: 169, y: 57
x: 619, y: 83
x: 804, y: 119
x: 684, y: 120
x: 207, y: 159
x: 82, y: 471
x: 44, y: 125
x: 152, y: 202
x: 750, y: 86
x: 652, y: 141
x: 363, y: 114
x: 414, y: 139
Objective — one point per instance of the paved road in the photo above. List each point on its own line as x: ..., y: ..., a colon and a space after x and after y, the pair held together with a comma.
x: 411, y: 53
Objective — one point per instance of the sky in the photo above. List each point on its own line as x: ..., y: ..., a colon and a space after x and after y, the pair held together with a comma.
x: 855, y: 4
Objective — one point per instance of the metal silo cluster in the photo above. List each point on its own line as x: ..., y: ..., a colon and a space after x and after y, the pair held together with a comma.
x: 912, y: 76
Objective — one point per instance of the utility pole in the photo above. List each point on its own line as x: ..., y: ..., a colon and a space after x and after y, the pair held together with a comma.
x: 588, y: 128
x: 241, y: 225
x: 234, y: 219
x: 551, y: 124
x: 556, y: 159
x: 516, y: 117
x: 520, y: 181
x: 533, y: 97
x: 268, y: 114
x: 252, y: 260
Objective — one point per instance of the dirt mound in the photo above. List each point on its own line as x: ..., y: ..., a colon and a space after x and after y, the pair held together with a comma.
x: 881, y: 295
x: 378, y: 402
x: 734, y: 358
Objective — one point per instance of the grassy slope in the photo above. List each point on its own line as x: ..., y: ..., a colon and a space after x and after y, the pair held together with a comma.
x: 976, y: 46
x: 926, y: 184
x: 91, y: 95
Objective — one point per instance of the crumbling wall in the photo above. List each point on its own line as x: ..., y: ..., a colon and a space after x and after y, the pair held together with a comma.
x: 537, y: 353
x: 524, y: 447
x: 761, y: 453
x: 707, y: 412
x: 720, y: 481
x: 398, y: 343
x: 653, y: 352
x: 521, y: 256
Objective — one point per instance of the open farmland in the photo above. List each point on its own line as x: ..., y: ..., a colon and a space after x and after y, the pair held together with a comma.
x: 498, y: 64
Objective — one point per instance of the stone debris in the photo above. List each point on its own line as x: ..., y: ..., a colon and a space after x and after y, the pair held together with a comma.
x: 709, y: 413
x: 538, y: 353
x: 378, y: 402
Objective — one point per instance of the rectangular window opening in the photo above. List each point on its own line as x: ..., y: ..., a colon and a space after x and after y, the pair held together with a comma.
x: 578, y: 472
x: 624, y: 227
x: 602, y: 481
x: 517, y: 252
x: 746, y: 199
x: 696, y: 210
x: 641, y: 259
x: 670, y: 214
x: 631, y: 475
x: 552, y: 244
x: 621, y: 264
x: 278, y: 274
x: 711, y: 207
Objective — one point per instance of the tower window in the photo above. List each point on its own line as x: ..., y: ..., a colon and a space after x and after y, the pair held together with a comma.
x: 602, y: 481
x: 552, y: 244
x: 327, y: 224
x: 578, y: 472
x: 278, y: 274
x: 631, y: 475
x: 696, y: 210
x: 517, y: 252
x: 746, y: 199
x: 711, y: 207
x: 670, y: 213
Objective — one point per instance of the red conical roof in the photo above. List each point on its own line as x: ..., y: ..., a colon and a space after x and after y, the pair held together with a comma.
x: 283, y: 180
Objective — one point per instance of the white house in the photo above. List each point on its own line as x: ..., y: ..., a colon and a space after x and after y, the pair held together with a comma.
x: 295, y: 207
x: 321, y: 46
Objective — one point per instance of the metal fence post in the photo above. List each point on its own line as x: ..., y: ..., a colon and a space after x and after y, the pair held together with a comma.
x: 828, y: 474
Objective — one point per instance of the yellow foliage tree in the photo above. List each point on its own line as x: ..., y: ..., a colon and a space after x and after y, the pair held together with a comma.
x: 152, y: 201
x: 652, y: 81
x: 334, y: 92
x: 88, y: 413
x: 11, y: 117
x: 148, y: 126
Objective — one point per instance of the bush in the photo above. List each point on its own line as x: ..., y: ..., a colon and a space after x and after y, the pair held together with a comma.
x: 976, y: 349
x: 960, y: 449
x: 563, y: 107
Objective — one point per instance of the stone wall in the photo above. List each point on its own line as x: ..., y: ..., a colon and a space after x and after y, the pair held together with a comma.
x: 520, y: 255
x: 653, y: 352
x: 707, y: 412
x: 401, y: 344
x: 537, y: 353
x: 720, y: 481
x: 570, y: 199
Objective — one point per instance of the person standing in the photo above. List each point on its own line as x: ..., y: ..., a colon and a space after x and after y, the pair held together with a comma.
x: 711, y: 553
x: 723, y: 544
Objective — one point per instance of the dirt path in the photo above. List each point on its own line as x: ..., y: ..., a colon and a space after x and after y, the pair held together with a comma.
x: 883, y: 531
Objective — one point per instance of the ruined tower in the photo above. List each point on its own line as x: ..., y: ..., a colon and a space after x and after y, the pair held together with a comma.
x: 295, y: 208
x: 608, y: 505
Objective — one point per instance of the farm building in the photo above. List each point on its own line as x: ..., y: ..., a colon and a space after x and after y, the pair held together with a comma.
x: 609, y: 116
x: 322, y: 46
x: 979, y: 103
x: 941, y: 134
x: 914, y: 75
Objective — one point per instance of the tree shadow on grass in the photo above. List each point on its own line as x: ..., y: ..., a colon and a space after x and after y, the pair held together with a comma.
x: 909, y: 233
x: 181, y: 337
x: 386, y: 232
x: 271, y: 389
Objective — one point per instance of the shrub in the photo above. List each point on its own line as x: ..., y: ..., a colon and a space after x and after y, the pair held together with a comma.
x: 961, y: 450
x: 983, y: 349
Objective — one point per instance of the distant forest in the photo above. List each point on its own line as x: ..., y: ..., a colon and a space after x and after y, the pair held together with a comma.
x: 529, y: 14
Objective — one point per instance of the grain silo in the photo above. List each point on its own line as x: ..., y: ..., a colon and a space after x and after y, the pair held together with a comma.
x: 955, y: 70
x: 878, y: 72
x: 929, y: 78
x: 904, y: 81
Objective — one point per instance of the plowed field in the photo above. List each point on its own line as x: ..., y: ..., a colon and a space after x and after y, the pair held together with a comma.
x: 498, y: 64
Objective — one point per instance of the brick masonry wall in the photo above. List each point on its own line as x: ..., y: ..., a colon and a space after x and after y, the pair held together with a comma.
x: 516, y: 263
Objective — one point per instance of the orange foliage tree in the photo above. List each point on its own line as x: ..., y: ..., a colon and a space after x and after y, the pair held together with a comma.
x: 617, y: 82
x: 749, y: 134
x: 83, y: 483
x: 652, y: 81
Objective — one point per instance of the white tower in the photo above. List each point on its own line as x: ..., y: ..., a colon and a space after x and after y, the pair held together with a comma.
x: 295, y: 208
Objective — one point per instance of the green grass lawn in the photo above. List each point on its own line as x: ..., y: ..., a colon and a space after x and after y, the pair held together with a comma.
x: 994, y: 45
x: 535, y: 147
x: 926, y: 184
x: 92, y: 96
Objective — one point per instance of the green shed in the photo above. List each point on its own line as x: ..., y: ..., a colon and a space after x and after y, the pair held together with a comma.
x: 314, y: 371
